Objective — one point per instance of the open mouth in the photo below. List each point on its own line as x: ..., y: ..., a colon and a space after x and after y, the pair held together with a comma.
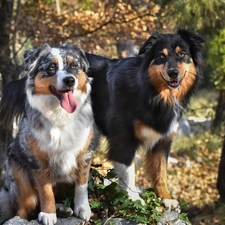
x: 66, y: 98
x: 173, y: 84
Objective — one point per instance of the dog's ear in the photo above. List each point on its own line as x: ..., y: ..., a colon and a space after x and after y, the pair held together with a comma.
x: 149, y: 43
x: 191, y: 38
x: 83, y: 60
x: 30, y: 56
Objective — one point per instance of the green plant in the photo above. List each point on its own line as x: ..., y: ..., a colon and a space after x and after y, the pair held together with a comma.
x: 108, y: 201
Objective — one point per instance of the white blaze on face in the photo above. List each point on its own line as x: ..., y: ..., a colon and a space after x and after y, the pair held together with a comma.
x: 56, y: 54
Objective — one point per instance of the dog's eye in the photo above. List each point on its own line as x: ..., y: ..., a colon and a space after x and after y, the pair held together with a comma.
x: 52, y: 67
x: 162, y: 56
x: 73, y: 65
x: 181, y: 54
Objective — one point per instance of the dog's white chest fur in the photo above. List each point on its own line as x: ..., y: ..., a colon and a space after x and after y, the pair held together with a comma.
x: 63, y: 136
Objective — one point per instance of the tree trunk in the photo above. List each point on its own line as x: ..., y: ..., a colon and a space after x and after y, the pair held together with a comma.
x: 221, y: 175
x: 219, y: 118
x: 220, y: 110
x: 6, y: 66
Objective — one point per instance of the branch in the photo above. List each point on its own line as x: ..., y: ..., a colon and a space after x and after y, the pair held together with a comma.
x: 15, y: 53
x: 14, y: 33
x: 110, y: 21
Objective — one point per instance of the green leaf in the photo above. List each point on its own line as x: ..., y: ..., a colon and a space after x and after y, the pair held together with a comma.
x: 67, y: 202
x: 95, y: 204
x: 138, y: 204
x: 125, y: 204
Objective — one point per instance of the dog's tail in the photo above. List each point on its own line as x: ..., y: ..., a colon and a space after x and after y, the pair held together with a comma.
x: 98, y: 65
x: 13, y: 100
x: 8, y: 199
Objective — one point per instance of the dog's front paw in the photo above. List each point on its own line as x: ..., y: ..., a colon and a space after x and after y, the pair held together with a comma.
x: 47, y: 218
x: 83, y: 211
x: 172, y: 204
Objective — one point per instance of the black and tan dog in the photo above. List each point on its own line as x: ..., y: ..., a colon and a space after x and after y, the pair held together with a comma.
x: 56, y: 133
x: 138, y: 101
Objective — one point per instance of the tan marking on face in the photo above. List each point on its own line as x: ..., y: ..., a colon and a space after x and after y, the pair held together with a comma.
x: 69, y: 60
x: 145, y: 133
x: 27, y: 198
x: 155, y: 73
x: 83, y: 168
x: 178, y: 49
x: 82, y: 81
x: 165, y: 52
x: 56, y: 61
x: 189, y: 72
x: 42, y: 84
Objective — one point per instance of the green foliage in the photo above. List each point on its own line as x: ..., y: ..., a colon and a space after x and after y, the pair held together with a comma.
x: 203, y: 104
x: 108, y: 201
x: 216, y: 59
x: 194, y: 15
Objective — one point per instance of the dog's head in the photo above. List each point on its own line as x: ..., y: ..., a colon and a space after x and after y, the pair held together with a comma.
x: 174, y: 62
x: 56, y: 75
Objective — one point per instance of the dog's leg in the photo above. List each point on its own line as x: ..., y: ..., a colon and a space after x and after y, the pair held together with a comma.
x: 126, y: 175
x: 81, y: 205
x: 121, y: 152
x: 47, y: 201
x: 27, y: 198
x: 44, y: 186
x: 156, y: 166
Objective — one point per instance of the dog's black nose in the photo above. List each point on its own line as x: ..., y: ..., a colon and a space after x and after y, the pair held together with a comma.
x: 69, y: 81
x: 173, y: 73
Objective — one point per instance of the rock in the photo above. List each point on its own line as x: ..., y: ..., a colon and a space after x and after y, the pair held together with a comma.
x: 184, y: 127
x: 60, y: 221
x: 118, y: 221
x: 171, y: 217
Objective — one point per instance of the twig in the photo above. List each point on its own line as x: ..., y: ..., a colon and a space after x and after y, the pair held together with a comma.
x: 108, y: 219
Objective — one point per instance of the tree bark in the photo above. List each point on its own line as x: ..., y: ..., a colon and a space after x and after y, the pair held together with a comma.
x: 221, y: 175
x: 6, y: 67
x: 220, y: 110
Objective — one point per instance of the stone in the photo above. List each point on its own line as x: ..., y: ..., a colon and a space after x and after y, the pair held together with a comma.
x: 60, y: 221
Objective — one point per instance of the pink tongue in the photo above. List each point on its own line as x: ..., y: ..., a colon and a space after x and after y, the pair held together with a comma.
x: 68, y: 102
x: 174, y: 83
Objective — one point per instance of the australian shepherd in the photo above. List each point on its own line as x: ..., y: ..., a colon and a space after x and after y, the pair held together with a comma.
x: 138, y: 101
x: 56, y: 133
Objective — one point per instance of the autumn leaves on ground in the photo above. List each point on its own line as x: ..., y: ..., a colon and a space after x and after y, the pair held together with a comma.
x: 192, y: 177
